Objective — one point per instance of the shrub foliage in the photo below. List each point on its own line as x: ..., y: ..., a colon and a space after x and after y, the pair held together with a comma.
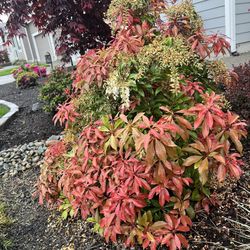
x: 238, y: 92
x: 26, y: 75
x: 142, y: 173
x: 26, y: 79
x: 4, y: 57
x: 55, y: 90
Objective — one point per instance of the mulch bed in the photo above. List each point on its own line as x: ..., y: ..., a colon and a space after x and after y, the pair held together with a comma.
x: 26, y: 125
x: 34, y: 226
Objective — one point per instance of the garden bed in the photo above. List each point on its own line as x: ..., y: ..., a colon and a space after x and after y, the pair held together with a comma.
x: 35, y: 227
x: 27, y: 125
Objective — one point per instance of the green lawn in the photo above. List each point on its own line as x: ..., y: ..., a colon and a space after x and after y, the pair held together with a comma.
x: 6, y: 72
x: 3, y: 110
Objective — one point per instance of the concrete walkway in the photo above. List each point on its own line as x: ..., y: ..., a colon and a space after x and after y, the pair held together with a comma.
x: 232, y: 61
x: 8, y: 67
x: 6, y: 79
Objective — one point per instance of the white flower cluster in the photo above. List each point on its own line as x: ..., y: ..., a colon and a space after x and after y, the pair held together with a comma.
x: 116, y: 88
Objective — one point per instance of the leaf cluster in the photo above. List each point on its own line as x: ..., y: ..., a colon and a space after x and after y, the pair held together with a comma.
x: 56, y: 89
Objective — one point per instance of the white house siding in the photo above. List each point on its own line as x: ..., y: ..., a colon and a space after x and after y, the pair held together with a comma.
x: 212, y: 13
x: 243, y: 24
x: 15, y: 50
x: 43, y: 44
x: 39, y: 44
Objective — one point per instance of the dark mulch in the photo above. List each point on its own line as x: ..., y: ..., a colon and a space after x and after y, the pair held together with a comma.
x: 26, y: 125
x: 215, y: 231
x: 35, y: 227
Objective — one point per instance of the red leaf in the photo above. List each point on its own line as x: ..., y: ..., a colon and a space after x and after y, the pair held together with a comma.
x: 160, y: 151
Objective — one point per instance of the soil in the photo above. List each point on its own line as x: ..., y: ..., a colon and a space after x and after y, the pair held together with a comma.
x: 26, y: 125
x: 35, y: 227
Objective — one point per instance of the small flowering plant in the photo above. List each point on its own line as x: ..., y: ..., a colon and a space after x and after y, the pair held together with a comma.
x: 27, y: 75
x: 40, y: 71
x: 141, y: 174
x: 26, y: 79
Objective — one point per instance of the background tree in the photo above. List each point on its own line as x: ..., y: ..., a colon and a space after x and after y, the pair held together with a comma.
x: 80, y: 23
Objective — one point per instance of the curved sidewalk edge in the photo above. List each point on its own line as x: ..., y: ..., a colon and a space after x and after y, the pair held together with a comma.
x: 6, y: 79
x: 13, y: 109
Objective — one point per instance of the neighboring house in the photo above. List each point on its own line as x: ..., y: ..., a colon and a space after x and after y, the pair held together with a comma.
x: 228, y: 17
x: 36, y: 46
x: 33, y: 46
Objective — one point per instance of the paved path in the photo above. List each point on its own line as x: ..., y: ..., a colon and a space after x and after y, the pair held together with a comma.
x: 6, y: 79
x: 8, y: 67
x: 9, y: 78
x: 232, y: 61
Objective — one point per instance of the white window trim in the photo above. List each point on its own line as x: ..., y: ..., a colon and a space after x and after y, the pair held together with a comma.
x: 230, y: 23
x: 19, y: 44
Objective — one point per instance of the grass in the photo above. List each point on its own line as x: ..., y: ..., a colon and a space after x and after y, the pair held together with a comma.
x: 6, y: 72
x: 4, y: 221
x: 3, y: 110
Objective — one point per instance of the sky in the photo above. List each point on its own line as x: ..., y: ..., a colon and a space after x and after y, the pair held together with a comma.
x: 3, y: 18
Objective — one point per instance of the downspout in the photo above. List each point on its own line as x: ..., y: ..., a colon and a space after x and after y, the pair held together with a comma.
x: 230, y: 24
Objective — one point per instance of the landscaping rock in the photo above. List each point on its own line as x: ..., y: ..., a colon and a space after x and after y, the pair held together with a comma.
x: 22, y: 157
x: 53, y: 139
x: 36, y: 106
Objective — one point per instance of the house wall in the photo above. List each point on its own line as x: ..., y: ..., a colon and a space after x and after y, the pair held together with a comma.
x: 242, y: 10
x: 15, y: 50
x: 43, y: 46
x: 212, y: 13
x: 40, y: 45
x: 27, y: 49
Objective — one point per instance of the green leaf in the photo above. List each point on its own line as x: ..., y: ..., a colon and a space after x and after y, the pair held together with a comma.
x: 106, y: 145
x: 65, y: 214
x: 105, y: 120
x: 141, y: 92
x: 190, y: 212
x: 195, y: 195
x: 206, y: 191
x: 103, y: 129
x: 91, y: 219
x: 158, y: 90
x: 118, y: 123
x: 71, y: 212
x: 113, y: 142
